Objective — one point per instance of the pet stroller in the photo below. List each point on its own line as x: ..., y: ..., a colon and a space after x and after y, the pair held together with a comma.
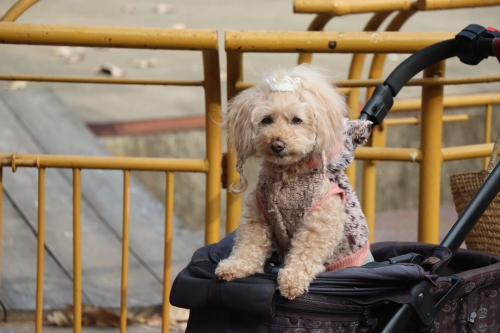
x: 410, y: 287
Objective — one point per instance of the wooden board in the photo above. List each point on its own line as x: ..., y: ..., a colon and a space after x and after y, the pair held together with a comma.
x: 36, y: 122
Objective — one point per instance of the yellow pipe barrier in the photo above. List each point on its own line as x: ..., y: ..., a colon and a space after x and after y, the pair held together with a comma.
x: 361, y: 83
x: 77, y: 252
x: 233, y: 201
x: 322, y: 19
x: 388, y: 154
x: 377, y: 139
x: 40, y: 251
x: 339, y: 7
x: 17, y: 9
x: 417, y: 120
x: 430, y: 166
x: 1, y: 222
x: 331, y: 42
x: 379, y: 134
x: 125, y: 248
x: 449, y: 102
x: 167, y: 258
x: 115, y: 37
x: 467, y: 152
x: 213, y: 145
x: 355, y: 72
x: 449, y: 4
x: 99, y: 162
x: 317, y: 24
x: 99, y: 80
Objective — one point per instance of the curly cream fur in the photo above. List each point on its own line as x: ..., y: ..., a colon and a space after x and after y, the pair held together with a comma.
x: 315, y: 99
x: 312, y: 245
x: 321, y: 111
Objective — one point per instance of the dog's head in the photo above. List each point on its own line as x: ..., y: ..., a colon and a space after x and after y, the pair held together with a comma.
x: 291, y: 116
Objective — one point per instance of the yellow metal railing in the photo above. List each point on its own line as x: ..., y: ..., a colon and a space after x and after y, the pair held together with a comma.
x: 116, y: 37
x: 326, y: 10
x: 430, y: 155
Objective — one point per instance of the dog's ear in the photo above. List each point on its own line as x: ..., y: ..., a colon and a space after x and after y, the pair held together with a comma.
x: 327, y: 105
x: 329, y: 109
x: 239, y: 127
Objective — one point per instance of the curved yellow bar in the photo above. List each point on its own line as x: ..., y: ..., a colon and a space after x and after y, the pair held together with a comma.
x: 119, y: 37
x: 339, y: 7
x: 17, y: 10
x: 447, y: 4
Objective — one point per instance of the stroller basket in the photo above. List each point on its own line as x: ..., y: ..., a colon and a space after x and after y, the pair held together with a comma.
x: 452, y: 290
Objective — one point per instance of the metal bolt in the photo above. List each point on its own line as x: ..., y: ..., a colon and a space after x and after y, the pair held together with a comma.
x: 332, y: 44
x: 420, y: 297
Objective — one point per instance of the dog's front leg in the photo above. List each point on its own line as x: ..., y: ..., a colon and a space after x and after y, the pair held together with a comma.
x: 253, y: 244
x: 312, y: 244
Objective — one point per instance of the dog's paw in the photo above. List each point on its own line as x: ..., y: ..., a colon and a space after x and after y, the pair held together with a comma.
x: 291, y: 285
x: 230, y: 269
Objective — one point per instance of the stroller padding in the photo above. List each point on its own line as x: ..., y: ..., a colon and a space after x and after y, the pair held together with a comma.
x: 197, y: 287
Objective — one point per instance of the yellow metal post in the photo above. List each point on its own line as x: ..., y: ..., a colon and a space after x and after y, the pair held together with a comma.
x: 355, y: 73
x: 77, y: 253
x: 233, y: 201
x: 487, y: 131
x: 125, y: 247
x: 40, y: 251
x: 213, y: 145
x: 379, y: 134
x: 167, y: 266
x: 430, y: 166
x: 1, y: 222
x: 368, y: 202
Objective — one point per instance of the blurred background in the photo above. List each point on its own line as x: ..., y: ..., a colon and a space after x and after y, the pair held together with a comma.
x: 107, y: 104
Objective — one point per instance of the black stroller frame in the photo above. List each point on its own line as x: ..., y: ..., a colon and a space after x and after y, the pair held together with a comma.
x: 418, y: 272
x: 471, y: 46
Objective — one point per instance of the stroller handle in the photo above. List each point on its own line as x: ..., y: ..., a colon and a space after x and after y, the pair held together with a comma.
x: 471, y: 46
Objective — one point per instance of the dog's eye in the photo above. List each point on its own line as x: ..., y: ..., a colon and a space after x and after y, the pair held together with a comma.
x: 296, y: 120
x: 267, y: 120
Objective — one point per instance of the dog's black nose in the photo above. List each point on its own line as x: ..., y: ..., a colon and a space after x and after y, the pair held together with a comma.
x: 277, y: 146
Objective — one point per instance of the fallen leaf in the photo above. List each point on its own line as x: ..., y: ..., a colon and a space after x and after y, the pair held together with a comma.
x: 107, y: 318
x: 129, y: 9
x: 178, y: 26
x: 110, y: 69
x: 73, y: 55
x: 89, y: 314
x: 164, y: 8
x: 18, y: 85
x: 144, y: 63
x: 58, y: 318
x: 154, y: 321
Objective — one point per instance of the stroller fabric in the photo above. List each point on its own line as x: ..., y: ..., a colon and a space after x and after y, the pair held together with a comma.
x: 356, y: 299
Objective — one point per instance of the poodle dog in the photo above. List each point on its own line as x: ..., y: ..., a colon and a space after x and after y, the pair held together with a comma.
x: 303, y: 205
